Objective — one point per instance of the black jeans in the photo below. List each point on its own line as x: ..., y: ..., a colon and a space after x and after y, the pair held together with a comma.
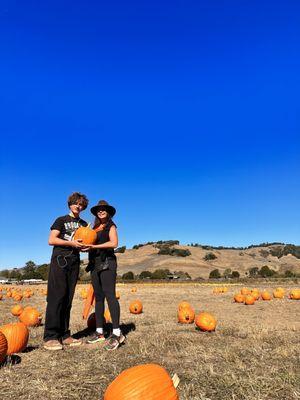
x: 104, y: 284
x: 61, y: 288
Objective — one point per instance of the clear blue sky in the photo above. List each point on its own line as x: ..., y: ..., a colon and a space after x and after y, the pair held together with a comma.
x: 184, y: 115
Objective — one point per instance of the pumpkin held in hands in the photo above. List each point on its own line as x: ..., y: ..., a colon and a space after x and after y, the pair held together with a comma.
x: 148, y: 381
x: 86, y: 235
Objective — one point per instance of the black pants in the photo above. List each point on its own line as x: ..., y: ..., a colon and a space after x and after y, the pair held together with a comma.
x: 61, y: 288
x: 104, y: 284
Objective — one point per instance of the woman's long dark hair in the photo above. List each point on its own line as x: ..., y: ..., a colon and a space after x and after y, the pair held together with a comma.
x: 97, y: 222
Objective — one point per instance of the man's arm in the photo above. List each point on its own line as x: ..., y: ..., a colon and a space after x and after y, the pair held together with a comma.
x: 54, y: 240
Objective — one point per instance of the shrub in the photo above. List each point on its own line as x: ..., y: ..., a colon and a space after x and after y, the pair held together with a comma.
x: 215, y: 274
x: 128, y: 275
x: 145, y: 275
x: 209, y: 256
x: 289, y: 274
x: 160, y: 274
x: 235, y: 274
x: 166, y: 250
x: 266, y: 272
x: 264, y: 253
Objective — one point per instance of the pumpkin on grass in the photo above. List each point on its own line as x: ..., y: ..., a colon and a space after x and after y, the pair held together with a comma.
x: 249, y: 300
x: 3, y: 347
x: 136, y: 307
x: 183, y: 304
x: 206, y: 322
x: 148, y: 381
x: 265, y: 295
x: 17, y: 335
x: 294, y: 294
x: 16, y: 310
x: 186, y: 315
x: 30, y: 317
x: 239, y: 298
x: 278, y: 294
x: 86, y: 235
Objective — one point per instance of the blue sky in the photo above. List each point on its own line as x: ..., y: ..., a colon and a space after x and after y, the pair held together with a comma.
x: 183, y: 115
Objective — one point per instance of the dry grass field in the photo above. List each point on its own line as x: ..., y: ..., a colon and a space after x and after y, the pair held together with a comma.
x: 253, y: 354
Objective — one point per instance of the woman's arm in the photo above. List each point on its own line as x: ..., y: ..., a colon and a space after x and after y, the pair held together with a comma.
x: 54, y: 240
x: 112, y: 243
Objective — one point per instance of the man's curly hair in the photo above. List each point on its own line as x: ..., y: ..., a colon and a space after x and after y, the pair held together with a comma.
x: 80, y: 198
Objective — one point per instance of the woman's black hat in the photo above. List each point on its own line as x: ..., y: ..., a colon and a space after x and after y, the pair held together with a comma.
x: 103, y: 205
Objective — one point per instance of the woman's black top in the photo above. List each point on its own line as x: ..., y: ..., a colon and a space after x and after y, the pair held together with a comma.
x: 99, y: 255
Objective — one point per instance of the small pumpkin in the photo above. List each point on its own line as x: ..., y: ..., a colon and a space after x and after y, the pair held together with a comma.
x: 278, y: 294
x: 239, y: 298
x: 294, y: 294
x: 30, y: 317
x: 136, y: 307
x: 16, y: 310
x: 265, y: 295
x: 245, y: 291
x: 148, y: 381
x: 206, y: 322
x: 186, y: 316
x: 249, y: 300
x: 134, y: 290
x: 86, y: 235
x: 184, y: 304
x: 3, y: 347
x: 17, y: 335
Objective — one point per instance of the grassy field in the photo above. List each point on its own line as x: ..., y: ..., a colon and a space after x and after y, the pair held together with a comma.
x: 254, y: 352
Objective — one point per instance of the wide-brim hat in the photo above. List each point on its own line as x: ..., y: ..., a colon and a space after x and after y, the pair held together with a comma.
x: 103, y: 205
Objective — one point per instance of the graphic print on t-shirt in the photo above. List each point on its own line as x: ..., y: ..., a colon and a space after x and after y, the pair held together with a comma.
x: 70, y: 229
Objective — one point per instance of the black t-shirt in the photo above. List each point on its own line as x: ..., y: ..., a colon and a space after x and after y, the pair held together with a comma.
x: 67, y: 226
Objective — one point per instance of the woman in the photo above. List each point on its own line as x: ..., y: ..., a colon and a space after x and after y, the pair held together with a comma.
x: 103, y: 267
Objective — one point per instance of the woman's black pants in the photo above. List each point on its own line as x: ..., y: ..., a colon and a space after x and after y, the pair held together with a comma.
x: 104, y: 284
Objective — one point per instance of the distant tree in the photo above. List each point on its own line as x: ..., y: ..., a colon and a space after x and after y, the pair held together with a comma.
x: 145, y: 275
x: 235, y: 274
x: 209, y: 256
x: 4, y: 273
x: 160, y: 274
x: 266, y: 272
x: 128, y: 275
x: 215, y: 274
x: 227, y: 273
x: 42, y: 271
x: 254, y: 271
x: 289, y: 274
x: 15, y: 274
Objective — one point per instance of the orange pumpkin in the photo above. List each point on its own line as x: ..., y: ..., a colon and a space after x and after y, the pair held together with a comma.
x: 266, y: 295
x: 206, y: 322
x: 278, y: 294
x: 136, y: 307
x: 18, y: 297
x: 3, y: 347
x: 8, y: 294
x: 245, y: 291
x: 30, y: 317
x: 134, y: 290
x: 148, y: 381
x: 295, y: 294
x: 86, y: 235
x: 239, y: 298
x: 184, y: 304
x: 186, y: 316
x: 107, y: 316
x: 16, y: 310
x: 249, y: 300
x: 117, y: 295
x: 17, y: 335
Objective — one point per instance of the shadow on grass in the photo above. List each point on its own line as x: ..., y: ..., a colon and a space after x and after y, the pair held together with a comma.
x: 125, y: 328
x: 10, y: 360
x: 29, y: 349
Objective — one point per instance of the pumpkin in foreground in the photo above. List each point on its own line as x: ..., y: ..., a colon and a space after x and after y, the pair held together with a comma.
x: 17, y: 335
x: 136, y: 307
x: 206, y: 322
x: 148, y: 381
x: 30, y: 317
x: 3, y: 347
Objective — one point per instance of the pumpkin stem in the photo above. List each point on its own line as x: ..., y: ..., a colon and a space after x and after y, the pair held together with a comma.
x: 175, y: 380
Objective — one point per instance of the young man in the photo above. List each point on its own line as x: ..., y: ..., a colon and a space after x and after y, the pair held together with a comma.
x: 63, y: 275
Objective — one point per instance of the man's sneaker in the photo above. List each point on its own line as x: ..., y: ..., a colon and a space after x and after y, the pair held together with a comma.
x: 52, y: 345
x: 96, y: 337
x: 71, y: 342
x: 114, y: 341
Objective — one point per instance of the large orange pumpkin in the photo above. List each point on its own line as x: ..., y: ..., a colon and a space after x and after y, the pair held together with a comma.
x: 136, y: 307
x: 148, y: 381
x: 186, y: 316
x: 86, y: 234
x: 30, y: 317
x: 17, y: 335
x: 206, y: 322
x: 3, y: 347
